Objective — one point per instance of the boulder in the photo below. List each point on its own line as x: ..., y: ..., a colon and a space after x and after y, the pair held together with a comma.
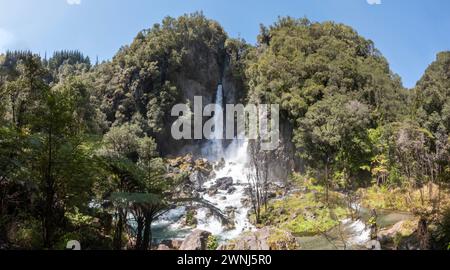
x: 220, y: 164
x: 224, y: 183
x: 197, y: 240
x: 400, y: 236
x: 172, y: 243
x: 373, y: 245
x: 203, y: 165
x: 197, y: 179
x: 163, y: 247
x: 267, y: 238
x: 208, y: 213
x: 231, y: 190
x: 230, y: 211
x: 387, y: 235
x: 212, y: 191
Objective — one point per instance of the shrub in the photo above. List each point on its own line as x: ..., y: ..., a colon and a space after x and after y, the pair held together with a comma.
x: 212, y: 243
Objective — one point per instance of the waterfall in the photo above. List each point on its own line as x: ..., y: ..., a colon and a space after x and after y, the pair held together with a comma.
x: 231, y: 162
x: 234, y: 159
x: 213, y: 150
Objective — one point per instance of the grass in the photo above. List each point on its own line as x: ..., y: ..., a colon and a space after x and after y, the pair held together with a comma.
x: 403, y: 199
x: 306, y: 213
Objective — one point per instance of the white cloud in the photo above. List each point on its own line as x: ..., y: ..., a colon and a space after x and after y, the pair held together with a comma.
x: 73, y: 2
x: 6, y: 40
x: 374, y: 2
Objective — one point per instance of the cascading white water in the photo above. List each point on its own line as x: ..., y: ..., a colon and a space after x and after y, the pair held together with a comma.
x: 235, y: 159
x: 236, y: 167
x: 234, y: 164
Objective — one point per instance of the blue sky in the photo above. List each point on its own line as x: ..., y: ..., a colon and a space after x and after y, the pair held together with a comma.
x: 408, y: 32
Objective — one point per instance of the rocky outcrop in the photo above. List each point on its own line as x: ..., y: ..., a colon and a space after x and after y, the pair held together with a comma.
x: 197, y: 171
x: 283, y: 161
x: 388, y: 235
x: 197, y: 240
x: 400, y: 236
x: 172, y: 244
x: 267, y: 238
x: 223, y: 183
x: 197, y: 179
x: 163, y: 247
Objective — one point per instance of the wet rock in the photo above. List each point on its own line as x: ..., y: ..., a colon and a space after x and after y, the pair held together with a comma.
x: 197, y: 240
x: 198, y: 172
x: 224, y: 183
x: 197, y: 179
x: 229, y: 226
x: 203, y: 166
x: 208, y: 213
x: 267, y: 238
x: 212, y: 191
x: 220, y: 164
x: 230, y: 211
x: 196, y: 193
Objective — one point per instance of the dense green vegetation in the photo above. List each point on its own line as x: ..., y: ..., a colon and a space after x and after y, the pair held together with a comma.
x: 82, y: 146
x: 145, y: 79
x: 354, y: 124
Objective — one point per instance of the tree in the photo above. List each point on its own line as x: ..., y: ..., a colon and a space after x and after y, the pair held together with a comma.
x: 431, y: 100
x: 258, y: 178
x: 139, y: 183
x: 47, y: 167
x: 26, y: 89
x: 333, y: 136
x: 422, y: 159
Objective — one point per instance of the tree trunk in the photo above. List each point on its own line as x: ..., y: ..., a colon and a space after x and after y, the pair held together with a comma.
x: 48, y: 221
x: 423, y: 234
x: 147, y: 241
x: 117, y: 242
x: 326, y: 182
x: 140, y: 228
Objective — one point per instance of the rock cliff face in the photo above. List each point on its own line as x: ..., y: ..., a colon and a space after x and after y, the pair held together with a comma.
x: 201, y: 74
x: 283, y: 161
x: 205, y: 85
